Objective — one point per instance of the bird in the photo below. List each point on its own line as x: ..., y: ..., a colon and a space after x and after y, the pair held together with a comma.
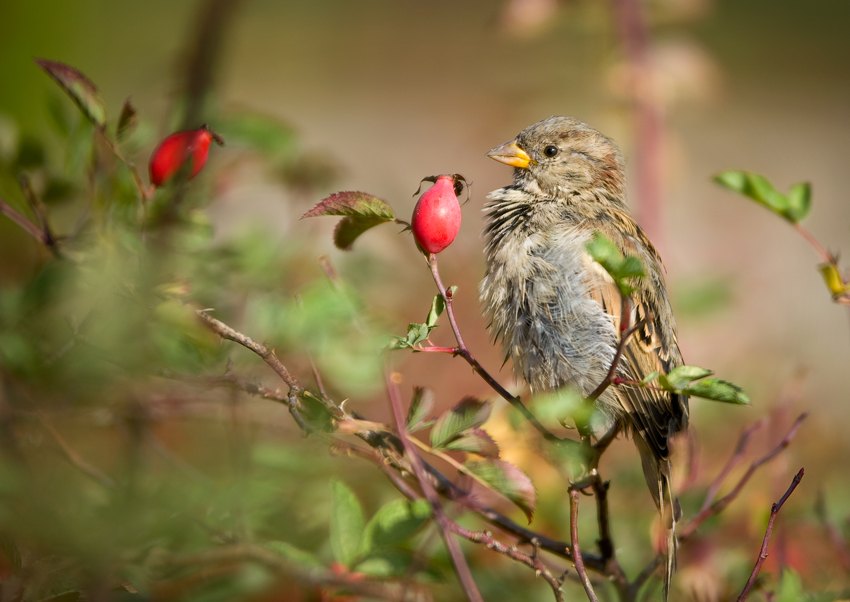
x: 557, y: 312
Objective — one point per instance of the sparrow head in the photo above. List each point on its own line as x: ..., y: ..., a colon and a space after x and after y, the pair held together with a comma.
x: 561, y: 156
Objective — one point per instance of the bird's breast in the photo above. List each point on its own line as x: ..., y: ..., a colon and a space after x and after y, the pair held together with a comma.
x: 536, y: 295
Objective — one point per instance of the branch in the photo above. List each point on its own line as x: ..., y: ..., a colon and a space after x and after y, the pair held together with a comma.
x: 763, y: 553
x: 38, y: 233
x: 268, y: 355
x: 721, y: 504
x: 577, y: 559
x: 443, y: 522
x: 75, y: 458
x: 736, y: 458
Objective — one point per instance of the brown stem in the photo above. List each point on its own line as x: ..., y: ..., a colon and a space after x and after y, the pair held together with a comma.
x: 736, y: 458
x: 577, y: 559
x: 443, y: 522
x: 626, y: 331
x: 75, y: 458
x: 763, y: 552
x: 24, y: 223
x: 268, y: 355
x: 721, y: 504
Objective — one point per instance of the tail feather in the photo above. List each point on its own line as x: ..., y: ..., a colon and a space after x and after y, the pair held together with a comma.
x: 657, y: 474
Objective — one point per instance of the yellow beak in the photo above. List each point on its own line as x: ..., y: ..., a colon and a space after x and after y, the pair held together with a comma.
x: 511, y: 154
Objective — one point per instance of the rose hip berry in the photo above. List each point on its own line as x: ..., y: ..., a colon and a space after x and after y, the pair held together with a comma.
x: 173, y: 153
x: 436, y: 217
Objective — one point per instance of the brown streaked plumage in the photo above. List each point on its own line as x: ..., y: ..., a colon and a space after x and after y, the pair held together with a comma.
x: 557, y: 312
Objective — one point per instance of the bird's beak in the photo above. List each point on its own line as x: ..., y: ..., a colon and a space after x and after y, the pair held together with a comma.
x: 511, y: 154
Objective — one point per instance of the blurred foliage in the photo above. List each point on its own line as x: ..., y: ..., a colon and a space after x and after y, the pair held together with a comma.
x: 130, y: 470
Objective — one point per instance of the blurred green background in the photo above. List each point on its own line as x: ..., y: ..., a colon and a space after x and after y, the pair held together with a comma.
x: 373, y: 95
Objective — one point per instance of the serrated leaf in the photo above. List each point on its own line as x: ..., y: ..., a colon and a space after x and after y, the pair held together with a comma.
x: 127, y: 121
x: 718, y: 390
x: 80, y: 88
x: 438, y: 305
x: 799, y: 201
x: 351, y: 204
x: 468, y: 413
x: 421, y: 406
x: 681, y: 377
x: 346, y: 524
x: 294, y: 555
x: 350, y: 228
x: 507, y: 480
x: 476, y: 441
x: 393, y: 523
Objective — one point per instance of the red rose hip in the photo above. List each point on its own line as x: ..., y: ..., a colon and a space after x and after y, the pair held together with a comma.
x: 436, y: 217
x: 178, y: 148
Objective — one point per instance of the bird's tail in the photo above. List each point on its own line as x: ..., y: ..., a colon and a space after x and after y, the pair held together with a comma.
x: 658, y: 478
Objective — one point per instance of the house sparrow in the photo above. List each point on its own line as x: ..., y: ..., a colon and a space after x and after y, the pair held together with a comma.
x: 557, y: 312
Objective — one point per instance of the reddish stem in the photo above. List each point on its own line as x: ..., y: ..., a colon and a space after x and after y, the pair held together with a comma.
x: 582, y: 572
x: 763, y: 553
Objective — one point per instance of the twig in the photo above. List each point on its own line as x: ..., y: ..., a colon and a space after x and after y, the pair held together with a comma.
x: 268, y: 355
x: 23, y: 222
x: 458, y: 559
x: 530, y: 560
x: 464, y: 352
x: 736, y: 458
x: 720, y: 504
x: 763, y: 553
x: 75, y: 458
x: 577, y: 559
x: 228, y: 558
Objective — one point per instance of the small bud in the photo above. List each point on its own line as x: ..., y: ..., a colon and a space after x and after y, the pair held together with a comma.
x: 178, y: 148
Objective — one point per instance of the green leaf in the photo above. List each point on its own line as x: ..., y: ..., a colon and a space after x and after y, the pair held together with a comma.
x: 799, y: 201
x: 718, y: 390
x: 360, y: 212
x: 393, y: 523
x: 681, y: 377
x: 793, y: 207
x: 127, y: 122
x: 346, y: 523
x: 508, y: 480
x: 438, y: 305
x: 385, y: 563
x: 80, y: 88
x: 621, y: 269
x: 349, y: 229
x: 558, y: 405
x: 790, y: 587
x: 420, y: 407
x: 467, y: 414
x: 294, y: 555
x: 476, y: 441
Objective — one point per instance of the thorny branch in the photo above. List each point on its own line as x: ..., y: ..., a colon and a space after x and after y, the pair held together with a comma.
x: 763, y: 552
x: 458, y: 559
x: 386, y: 447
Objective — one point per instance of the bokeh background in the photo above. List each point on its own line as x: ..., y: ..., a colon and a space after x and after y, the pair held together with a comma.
x: 377, y: 94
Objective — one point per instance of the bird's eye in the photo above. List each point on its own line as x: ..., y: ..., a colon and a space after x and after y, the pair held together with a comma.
x: 550, y: 151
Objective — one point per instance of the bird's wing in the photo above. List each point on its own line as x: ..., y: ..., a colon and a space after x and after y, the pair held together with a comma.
x: 654, y: 414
